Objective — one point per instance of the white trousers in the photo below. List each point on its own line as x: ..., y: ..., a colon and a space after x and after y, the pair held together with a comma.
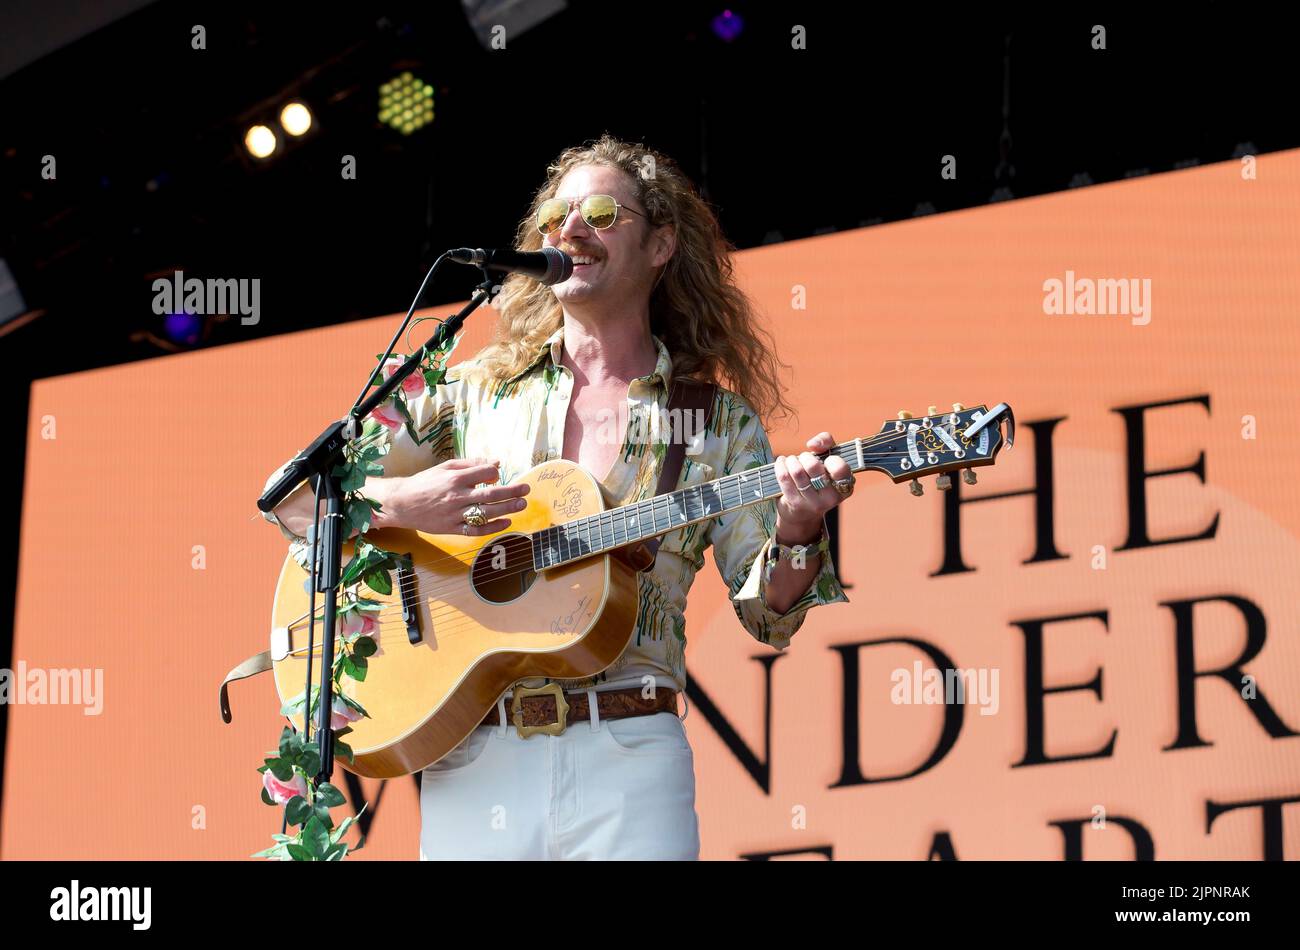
x: 614, y: 789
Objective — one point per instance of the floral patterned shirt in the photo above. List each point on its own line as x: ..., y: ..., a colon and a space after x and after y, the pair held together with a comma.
x: 521, y: 423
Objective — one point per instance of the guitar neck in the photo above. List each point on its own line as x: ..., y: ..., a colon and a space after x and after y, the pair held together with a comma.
x: 613, y: 529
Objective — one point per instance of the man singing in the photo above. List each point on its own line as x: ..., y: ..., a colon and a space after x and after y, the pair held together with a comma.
x: 651, y: 297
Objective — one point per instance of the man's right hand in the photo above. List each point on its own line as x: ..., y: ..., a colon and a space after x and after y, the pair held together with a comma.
x: 434, y: 500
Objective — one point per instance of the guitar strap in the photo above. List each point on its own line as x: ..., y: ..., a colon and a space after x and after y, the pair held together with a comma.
x: 688, y: 397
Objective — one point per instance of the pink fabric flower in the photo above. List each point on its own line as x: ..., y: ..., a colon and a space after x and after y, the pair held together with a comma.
x: 357, y: 621
x: 413, y: 385
x: 341, y: 714
x: 282, y: 792
x: 387, y: 415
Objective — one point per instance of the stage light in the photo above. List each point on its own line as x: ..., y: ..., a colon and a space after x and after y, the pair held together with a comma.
x: 260, y: 141
x: 295, y: 118
x: 183, y: 328
x: 727, y: 25
x: 406, y: 103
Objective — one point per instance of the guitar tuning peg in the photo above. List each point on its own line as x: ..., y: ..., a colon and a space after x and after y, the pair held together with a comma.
x: 958, y: 407
x: 932, y: 411
x: 943, y: 482
x: 904, y: 414
x: 917, y: 488
x: 968, y: 476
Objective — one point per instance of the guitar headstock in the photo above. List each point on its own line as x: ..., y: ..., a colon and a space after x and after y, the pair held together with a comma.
x: 907, y: 449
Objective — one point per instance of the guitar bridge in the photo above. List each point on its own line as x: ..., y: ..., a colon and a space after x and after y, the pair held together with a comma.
x: 410, y: 600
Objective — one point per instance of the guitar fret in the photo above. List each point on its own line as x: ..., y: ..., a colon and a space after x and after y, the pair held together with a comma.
x: 608, y: 530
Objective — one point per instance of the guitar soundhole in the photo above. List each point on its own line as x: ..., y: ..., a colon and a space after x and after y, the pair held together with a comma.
x: 503, y: 570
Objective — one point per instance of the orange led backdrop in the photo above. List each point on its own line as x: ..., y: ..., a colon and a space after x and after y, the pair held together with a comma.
x: 1120, y: 587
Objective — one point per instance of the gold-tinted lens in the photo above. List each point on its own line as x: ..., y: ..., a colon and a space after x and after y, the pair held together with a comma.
x: 599, y: 211
x: 551, y: 215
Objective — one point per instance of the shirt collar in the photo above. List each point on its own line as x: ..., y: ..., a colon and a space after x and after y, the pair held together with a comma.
x: 553, y: 347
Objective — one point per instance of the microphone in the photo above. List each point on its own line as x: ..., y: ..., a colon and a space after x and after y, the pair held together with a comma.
x: 550, y: 265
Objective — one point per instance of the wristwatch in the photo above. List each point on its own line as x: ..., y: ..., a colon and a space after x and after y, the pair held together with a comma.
x: 788, y: 552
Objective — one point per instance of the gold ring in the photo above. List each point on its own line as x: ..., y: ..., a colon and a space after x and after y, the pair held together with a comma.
x: 474, y: 516
x: 843, y: 485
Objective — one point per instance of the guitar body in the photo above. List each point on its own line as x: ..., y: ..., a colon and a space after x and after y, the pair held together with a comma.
x: 483, y: 620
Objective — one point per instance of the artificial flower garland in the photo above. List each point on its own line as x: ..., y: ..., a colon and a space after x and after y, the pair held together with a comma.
x: 288, y: 773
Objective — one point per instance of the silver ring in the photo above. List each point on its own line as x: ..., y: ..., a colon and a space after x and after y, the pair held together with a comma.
x: 819, y: 482
x: 474, y: 516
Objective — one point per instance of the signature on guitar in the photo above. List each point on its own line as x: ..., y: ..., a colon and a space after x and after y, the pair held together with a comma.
x: 569, y: 503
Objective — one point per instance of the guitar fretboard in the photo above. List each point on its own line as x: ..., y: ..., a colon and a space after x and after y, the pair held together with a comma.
x: 609, y: 530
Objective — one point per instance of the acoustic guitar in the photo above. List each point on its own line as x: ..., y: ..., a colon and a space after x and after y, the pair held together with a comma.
x: 555, y: 594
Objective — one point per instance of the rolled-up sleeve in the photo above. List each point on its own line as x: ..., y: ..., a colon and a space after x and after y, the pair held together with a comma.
x: 742, y: 544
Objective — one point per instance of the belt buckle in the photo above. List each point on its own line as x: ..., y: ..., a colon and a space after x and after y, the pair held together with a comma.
x: 550, y: 728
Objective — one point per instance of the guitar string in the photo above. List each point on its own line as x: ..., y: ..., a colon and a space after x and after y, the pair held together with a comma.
x: 848, y: 447
x: 596, y: 523
x: 446, y: 618
x: 459, y: 584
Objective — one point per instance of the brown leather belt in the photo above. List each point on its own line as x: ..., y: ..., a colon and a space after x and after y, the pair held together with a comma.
x: 533, y: 710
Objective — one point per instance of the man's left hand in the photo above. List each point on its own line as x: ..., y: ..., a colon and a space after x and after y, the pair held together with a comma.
x: 801, y: 508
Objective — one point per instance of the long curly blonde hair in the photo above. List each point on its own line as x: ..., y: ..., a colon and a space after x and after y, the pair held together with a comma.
x: 708, y: 325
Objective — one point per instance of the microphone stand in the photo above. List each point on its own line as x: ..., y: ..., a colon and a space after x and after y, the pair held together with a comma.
x: 318, y: 462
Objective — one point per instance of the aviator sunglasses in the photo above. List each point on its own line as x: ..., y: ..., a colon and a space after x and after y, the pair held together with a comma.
x: 599, y: 211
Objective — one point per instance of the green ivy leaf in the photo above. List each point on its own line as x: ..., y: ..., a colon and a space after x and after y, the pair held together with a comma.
x: 298, y: 810
x: 299, y: 853
x: 290, y: 743
x: 352, y: 570
x: 355, y: 667
x: 379, y: 581
x: 364, y: 647
x: 281, y: 769
x: 309, y: 760
x: 359, y: 515
x: 343, y: 827
x: 316, y: 837
x: 337, y: 851
x: 354, y: 476
x: 345, y: 750
x: 330, y: 795
x: 322, y: 813
x: 266, y: 796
